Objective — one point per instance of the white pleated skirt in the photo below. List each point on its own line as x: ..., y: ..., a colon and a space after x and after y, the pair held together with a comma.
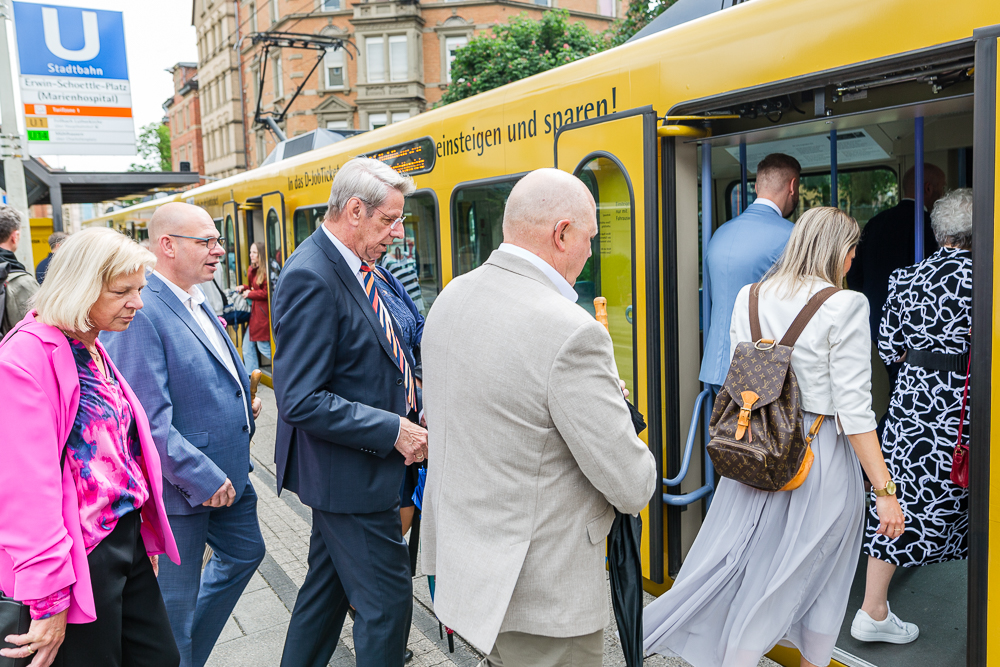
x: 767, y: 567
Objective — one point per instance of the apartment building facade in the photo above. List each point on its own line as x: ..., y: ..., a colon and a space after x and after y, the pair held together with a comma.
x: 183, y: 114
x: 219, y: 76
x: 395, y: 63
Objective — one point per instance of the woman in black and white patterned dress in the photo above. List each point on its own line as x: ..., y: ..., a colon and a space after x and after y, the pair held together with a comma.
x: 926, y: 321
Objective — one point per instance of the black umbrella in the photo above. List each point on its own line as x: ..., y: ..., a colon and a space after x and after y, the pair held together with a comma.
x: 624, y: 560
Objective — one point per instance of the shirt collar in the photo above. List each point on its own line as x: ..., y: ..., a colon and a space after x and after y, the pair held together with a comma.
x: 353, y: 261
x: 768, y: 202
x: 196, y: 296
x: 561, y: 283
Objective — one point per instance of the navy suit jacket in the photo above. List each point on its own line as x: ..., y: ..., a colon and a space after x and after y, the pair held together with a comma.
x: 194, y: 404
x: 338, y: 388
x: 739, y: 253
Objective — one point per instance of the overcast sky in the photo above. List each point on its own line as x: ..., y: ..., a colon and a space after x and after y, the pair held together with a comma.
x: 158, y: 34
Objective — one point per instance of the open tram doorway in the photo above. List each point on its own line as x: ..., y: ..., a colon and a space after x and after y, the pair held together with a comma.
x: 856, y: 138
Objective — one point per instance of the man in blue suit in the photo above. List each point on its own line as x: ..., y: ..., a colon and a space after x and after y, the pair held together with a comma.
x: 347, y: 404
x: 742, y: 250
x: 189, y: 378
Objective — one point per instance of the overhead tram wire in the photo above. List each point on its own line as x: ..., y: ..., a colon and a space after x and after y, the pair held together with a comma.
x: 300, y: 8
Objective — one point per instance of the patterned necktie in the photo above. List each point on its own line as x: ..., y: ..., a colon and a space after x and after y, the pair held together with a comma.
x: 368, y: 278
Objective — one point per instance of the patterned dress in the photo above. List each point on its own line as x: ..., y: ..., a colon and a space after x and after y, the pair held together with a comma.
x: 929, y: 308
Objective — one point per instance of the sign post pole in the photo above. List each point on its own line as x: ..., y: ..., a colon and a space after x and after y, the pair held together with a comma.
x: 12, y: 146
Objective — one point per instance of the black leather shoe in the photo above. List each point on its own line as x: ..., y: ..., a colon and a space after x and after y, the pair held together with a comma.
x: 408, y: 655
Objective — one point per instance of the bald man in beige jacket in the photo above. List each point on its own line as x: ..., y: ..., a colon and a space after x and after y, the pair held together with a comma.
x: 531, y: 446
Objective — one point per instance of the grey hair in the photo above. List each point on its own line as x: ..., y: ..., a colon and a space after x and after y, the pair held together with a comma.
x: 951, y: 219
x: 10, y: 222
x: 367, y: 179
x: 817, y: 248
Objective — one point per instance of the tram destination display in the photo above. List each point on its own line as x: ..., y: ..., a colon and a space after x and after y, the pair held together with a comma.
x: 413, y: 157
x: 74, y: 80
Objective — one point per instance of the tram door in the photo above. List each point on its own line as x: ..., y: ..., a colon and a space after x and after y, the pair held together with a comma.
x: 275, y: 244
x: 615, y: 156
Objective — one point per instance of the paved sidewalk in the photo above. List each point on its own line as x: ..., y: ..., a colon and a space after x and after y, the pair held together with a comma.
x: 255, y: 633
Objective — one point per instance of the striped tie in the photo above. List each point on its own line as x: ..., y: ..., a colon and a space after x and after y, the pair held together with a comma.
x: 368, y: 276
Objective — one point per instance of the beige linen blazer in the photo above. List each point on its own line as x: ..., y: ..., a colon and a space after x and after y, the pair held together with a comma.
x: 530, y: 448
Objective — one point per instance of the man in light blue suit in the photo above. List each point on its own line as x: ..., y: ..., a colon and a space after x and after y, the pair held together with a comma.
x: 192, y: 383
x: 742, y: 250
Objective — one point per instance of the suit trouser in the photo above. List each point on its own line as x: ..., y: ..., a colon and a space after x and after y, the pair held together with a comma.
x: 359, y: 560
x: 198, y: 601
x: 520, y: 649
x: 131, y: 629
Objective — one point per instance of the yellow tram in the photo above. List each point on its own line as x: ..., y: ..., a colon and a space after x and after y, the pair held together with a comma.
x: 666, y: 131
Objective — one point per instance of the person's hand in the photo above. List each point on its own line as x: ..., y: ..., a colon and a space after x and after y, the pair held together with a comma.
x: 412, y: 441
x: 224, y: 497
x: 155, y: 562
x: 256, y: 406
x: 43, y: 639
x: 890, y: 517
x: 621, y: 383
x: 240, y: 289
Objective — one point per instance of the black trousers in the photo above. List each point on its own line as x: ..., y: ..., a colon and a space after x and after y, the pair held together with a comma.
x: 360, y: 558
x: 132, y: 628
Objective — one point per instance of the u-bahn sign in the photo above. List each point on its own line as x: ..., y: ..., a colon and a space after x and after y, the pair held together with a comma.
x: 74, y: 80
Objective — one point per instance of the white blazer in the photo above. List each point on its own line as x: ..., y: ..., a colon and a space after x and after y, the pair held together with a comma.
x: 832, y: 357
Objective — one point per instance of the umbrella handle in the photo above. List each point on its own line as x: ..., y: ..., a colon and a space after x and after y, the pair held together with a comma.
x: 601, y: 310
x: 254, y: 381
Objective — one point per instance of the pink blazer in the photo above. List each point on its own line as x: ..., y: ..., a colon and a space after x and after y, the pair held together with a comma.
x: 41, y: 543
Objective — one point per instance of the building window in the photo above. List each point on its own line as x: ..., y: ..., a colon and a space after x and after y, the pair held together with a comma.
x: 255, y: 82
x: 276, y: 76
x: 252, y: 18
x: 333, y: 63
x: 377, y: 120
x: 275, y: 14
x: 337, y: 125
x: 330, y: 5
x: 542, y: 3
x: 376, y: 60
x: 398, y: 66
x: 398, y: 116
x: 451, y: 45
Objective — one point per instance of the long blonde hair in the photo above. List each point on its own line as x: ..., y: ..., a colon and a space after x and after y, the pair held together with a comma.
x: 261, y: 275
x: 818, y: 248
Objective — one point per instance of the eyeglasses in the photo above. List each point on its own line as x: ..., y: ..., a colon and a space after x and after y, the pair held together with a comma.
x: 209, y: 241
x: 392, y: 225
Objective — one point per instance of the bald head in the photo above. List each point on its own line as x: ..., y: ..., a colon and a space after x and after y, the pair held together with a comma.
x: 180, y: 235
x: 935, y: 183
x: 552, y: 214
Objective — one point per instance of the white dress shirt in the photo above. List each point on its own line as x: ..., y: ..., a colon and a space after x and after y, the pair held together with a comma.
x: 832, y: 357
x: 561, y: 283
x: 192, y: 301
x: 768, y: 202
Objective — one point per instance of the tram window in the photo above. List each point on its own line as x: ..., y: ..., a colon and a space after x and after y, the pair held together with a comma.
x: 477, y: 215
x: 229, y: 233
x: 274, y: 238
x: 307, y: 220
x: 609, y: 271
x: 413, y: 260
x: 862, y: 193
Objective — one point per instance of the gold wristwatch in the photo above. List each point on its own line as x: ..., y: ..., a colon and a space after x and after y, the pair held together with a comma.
x: 889, y: 490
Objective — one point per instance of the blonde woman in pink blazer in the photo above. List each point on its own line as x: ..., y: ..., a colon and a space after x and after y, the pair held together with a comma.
x: 81, y: 511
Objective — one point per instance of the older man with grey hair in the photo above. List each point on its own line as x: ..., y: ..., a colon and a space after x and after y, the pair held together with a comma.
x: 532, y: 447
x: 347, y: 407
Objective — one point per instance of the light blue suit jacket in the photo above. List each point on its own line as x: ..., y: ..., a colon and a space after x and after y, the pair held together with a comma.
x: 739, y: 254
x: 194, y: 404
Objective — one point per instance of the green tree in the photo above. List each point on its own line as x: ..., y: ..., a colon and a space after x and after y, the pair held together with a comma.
x: 153, y: 148
x: 637, y: 16
x: 518, y: 49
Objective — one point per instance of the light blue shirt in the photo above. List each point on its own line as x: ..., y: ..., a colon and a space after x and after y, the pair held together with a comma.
x: 739, y: 253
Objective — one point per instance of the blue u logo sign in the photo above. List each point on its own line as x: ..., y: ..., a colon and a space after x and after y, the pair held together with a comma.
x: 53, y: 41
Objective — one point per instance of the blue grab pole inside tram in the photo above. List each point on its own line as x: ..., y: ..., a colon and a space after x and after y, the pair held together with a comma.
x: 706, y: 235
x: 834, y: 198
x: 743, y: 176
x: 918, y: 189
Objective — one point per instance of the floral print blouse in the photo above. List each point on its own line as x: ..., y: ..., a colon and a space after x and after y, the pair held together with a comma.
x: 103, y: 453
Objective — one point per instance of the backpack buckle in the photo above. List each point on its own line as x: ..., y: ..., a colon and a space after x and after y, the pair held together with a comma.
x: 765, y: 344
x: 743, y: 423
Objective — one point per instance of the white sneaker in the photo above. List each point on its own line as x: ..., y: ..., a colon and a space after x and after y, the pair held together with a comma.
x: 891, y: 630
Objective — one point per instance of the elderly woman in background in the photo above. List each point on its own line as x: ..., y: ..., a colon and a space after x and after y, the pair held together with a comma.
x: 81, y: 512
x: 926, y: 323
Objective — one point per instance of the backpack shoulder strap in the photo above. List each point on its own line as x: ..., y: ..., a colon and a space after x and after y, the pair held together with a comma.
x: 806, y: 314
x: 755, y: 334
